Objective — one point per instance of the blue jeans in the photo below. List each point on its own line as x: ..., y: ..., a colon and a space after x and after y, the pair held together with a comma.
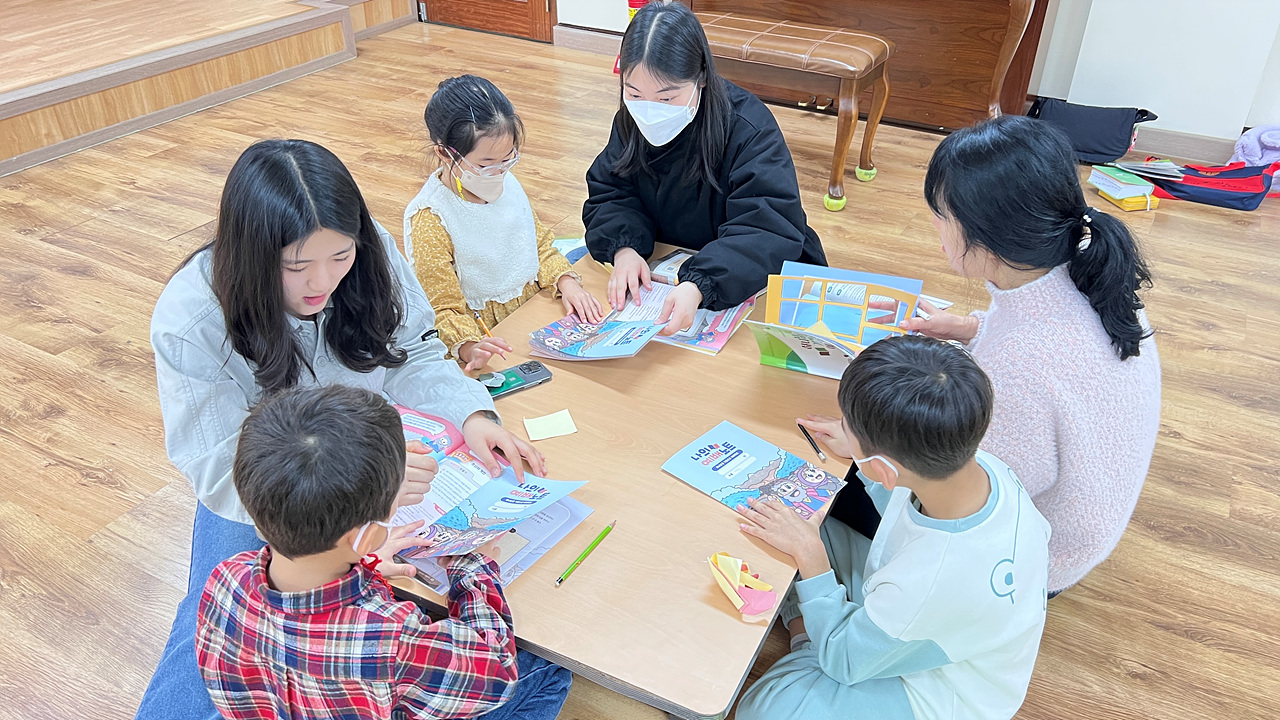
x: 177, y: 691
x: 540, y: 693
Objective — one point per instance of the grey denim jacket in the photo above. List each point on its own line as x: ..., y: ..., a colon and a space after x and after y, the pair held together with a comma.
x: 206, y: 388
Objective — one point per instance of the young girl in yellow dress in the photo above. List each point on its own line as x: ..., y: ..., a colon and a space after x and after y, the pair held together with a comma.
x: 476, y: 245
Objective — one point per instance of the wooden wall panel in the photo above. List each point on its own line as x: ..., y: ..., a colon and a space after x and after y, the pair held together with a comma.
x: 373, y: 13
x: 69, y: 119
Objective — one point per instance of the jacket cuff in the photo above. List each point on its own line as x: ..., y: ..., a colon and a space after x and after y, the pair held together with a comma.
x: 817, y: 587
x: 710, y: 293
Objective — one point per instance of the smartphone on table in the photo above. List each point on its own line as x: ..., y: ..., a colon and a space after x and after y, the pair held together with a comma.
x: 513, y: 379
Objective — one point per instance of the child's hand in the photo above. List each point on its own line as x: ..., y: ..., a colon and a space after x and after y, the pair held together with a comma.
x: 781, y: 527
x: 419, y: 470
x: 630, y: 273
x: 680, y: 308
x: 942, y: 324
x: 830, y: 432
x: 484, y: 436
x: 476, y: 354
x: 399, y: 539
x: 579, y: 301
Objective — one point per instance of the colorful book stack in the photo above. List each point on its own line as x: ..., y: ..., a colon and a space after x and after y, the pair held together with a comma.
x: 1123, y: 189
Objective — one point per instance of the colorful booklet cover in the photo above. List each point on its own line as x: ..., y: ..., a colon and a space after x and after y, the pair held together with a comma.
x: 466, y: 507
x: 516, y: 550
x: 570, y: 338
x: 733, y: 466
x: 853, y: 308
x: 794, y: 349
x: 710, y: 329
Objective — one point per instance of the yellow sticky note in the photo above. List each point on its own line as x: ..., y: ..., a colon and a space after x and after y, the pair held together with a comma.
x: 549, y: 426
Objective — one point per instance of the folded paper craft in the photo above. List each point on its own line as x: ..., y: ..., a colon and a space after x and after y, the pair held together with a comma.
x: 748, y: 593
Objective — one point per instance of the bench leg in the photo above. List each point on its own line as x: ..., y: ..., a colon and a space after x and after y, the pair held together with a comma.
x: 846, y: 120
x: 866, y: 169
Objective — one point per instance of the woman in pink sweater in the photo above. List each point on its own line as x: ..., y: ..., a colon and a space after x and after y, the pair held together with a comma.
x: 1065, y: 339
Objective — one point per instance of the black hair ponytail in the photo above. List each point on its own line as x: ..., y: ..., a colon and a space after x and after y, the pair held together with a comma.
x: 467, y: 108
x: 669, y: 41
x: 1011, y: 185
x: 1109, y: 270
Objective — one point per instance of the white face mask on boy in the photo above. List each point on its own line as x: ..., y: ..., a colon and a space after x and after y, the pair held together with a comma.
x: 659, y: 122
x: 355, y: 544
x: 881, y: 458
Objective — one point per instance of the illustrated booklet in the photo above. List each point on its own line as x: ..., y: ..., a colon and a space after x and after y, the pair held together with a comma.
x: 466, y: 507
x: 734, y: 466
x: 818, y: 318
x: 710, y: 330
x: 623, y: 333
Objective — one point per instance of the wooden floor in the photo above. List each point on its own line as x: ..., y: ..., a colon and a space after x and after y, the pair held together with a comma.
x: 1183, y: 620
x: 47, y: 39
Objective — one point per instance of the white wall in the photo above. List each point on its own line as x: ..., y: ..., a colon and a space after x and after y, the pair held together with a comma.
x: 594, y: 14
x: 1266, y: 103
x: 1064, y: 23
x: 1206, y: 68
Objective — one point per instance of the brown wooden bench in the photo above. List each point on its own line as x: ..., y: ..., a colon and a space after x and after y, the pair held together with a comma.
x: 775, y: 59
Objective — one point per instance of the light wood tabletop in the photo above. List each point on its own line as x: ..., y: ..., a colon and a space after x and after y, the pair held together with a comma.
x: 643, y: 615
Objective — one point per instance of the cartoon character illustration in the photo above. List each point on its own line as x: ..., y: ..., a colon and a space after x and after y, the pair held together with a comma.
x: 788, y: 479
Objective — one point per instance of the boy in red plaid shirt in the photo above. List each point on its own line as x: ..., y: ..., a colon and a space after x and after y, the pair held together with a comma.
x: 308, y: 628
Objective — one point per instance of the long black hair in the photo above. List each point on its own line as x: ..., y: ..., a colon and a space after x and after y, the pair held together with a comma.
x: 668, y: 40
x: 466, y: 108
x: 278, y: 192
x: 1011, y: 185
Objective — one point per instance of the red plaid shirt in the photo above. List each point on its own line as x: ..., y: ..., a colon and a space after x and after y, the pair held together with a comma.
x: 349, y: 650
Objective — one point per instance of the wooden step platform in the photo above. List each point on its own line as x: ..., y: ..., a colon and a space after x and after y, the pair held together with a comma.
x: 75, y: 74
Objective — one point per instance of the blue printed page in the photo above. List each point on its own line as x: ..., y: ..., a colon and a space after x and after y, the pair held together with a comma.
x: 799, y: 269
x: 733, y: 466
x: 465, y: 508
x: 572, y: 339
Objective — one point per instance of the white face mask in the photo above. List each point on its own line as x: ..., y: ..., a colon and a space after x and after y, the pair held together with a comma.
x: 486, y: 187
x: 881, y: 458
x: 659, y: 122
x: 355, y: 544
x: 485, y: 182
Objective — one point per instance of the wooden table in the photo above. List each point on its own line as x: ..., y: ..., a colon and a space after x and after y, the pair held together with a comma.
x: 643, y: 616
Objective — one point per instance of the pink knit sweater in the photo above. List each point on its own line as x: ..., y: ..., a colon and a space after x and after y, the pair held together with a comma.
x: 1075, y: 423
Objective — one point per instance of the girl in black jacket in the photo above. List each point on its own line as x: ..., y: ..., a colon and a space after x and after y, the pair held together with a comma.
x: 696, y: 162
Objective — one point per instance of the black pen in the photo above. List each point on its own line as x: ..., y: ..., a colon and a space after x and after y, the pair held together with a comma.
x: 809, y: 437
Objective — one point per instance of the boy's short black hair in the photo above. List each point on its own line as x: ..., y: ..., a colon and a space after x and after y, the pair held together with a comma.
x: 920, y: 401
x: 313, y: 463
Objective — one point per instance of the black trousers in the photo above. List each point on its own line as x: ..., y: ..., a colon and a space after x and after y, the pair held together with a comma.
x: 854, y: 508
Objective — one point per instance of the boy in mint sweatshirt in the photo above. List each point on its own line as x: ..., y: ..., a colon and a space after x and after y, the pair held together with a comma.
x: 940, y: 615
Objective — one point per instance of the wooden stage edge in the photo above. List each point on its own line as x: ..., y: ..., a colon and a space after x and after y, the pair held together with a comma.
x: 48, y: 120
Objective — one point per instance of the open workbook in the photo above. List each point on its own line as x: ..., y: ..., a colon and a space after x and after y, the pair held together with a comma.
x: 624, y: 332
x: 466, y: 508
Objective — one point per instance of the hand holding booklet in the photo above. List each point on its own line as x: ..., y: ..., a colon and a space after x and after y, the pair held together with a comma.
x: 624, y: 332
x: 466, y: 507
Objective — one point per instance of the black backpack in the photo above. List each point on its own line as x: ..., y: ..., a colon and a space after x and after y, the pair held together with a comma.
x: 1098, y: 134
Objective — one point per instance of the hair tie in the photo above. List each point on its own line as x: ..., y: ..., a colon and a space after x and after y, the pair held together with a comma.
x: 1086, y: 238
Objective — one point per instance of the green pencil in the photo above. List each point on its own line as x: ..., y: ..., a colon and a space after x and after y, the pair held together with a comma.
x: 603, y: 533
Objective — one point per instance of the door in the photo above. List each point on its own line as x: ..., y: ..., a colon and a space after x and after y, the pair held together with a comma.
x: 531, y: 19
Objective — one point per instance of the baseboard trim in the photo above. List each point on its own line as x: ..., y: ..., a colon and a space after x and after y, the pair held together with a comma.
x: 386, y: 26
x: 1183, y: 146
x: 595, y: 41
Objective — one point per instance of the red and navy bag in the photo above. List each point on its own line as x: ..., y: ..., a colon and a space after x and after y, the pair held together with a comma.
x: 1236, y: 186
